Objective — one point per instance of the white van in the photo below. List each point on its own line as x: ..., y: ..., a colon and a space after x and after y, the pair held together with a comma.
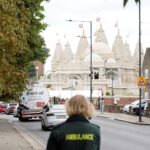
x: 32, y: 101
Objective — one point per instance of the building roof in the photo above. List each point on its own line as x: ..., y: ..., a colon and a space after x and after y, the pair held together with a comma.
x: 67, y: 54
x: 95, y: 58
x: 57, y: 53
x: 82, y: 46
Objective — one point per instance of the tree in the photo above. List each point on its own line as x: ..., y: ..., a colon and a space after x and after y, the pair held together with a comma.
x: 20, y: 43
x: 126, y: 1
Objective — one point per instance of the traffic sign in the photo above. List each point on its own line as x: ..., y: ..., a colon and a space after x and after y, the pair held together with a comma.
x: 141, y: 82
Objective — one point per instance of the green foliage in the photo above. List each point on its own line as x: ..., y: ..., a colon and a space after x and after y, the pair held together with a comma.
x: 31, y: 71
x: 20, y: 43
x: 107, y: 94
x: 148, y: 106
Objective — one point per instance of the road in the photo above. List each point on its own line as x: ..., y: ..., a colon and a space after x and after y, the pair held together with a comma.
x: 116, y: 135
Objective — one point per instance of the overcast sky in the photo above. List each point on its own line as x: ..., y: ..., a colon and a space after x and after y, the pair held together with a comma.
x: 109, y: 11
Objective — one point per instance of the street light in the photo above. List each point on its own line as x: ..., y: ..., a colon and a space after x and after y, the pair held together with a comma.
x: 91, y: 67
x: 140, y: 90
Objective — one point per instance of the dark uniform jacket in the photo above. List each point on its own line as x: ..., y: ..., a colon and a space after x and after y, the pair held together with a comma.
x: 77, y: 133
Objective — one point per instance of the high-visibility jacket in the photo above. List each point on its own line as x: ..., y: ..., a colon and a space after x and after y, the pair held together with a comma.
x: 77, y: 133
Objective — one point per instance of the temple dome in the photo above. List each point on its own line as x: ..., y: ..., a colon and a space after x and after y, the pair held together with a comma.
x: 111, y: 60
x: 95, y: 58
x: 101, y: 47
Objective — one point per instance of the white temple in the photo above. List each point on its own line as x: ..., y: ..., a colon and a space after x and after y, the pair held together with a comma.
x: 112, y: 67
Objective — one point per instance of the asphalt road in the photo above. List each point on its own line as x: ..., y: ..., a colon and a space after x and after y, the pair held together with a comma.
x: 116, y: 135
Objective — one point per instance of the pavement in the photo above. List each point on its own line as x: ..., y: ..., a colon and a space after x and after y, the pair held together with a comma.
x: 13, y: 137
x: 124, y: 117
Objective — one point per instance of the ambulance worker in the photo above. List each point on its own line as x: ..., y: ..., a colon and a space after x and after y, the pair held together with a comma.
x: 76, y: 133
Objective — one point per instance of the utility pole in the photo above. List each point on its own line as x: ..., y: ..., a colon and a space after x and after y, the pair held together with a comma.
x: 140, y: 89
x: 91, y: 65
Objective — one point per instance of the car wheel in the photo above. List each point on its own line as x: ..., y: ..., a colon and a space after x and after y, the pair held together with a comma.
x: 22, y: 119
x: 14, y: 115
x: 6, y: 112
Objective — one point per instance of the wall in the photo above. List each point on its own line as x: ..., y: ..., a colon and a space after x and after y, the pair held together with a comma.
x: 146, y: 65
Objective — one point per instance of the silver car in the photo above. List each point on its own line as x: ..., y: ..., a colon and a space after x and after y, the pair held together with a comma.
x: 135, y: 108
x: 54, y: 115
x: 127, y: 107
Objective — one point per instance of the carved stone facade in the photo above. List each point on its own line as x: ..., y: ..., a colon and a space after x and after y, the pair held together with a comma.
x: 113, y: 68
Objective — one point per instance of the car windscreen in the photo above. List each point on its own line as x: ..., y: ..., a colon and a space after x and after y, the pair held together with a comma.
x: 135, y: 102
x: 12, y: 104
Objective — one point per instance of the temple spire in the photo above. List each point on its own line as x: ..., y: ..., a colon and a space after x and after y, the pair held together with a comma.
x: 100, y: 35
x: 82, y: 46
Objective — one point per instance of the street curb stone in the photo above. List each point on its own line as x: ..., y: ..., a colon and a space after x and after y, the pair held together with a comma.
x: 34, y: 141
x: 124, y: 118
x: 137, y: 123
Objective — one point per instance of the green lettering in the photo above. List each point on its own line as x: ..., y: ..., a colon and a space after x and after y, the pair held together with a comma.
x: 79, y: 137
x: 67, y: 137
x: 74, y: 136
x: 84, y: 136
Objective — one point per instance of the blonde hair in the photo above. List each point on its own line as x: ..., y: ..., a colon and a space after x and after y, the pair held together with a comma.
x: 79, y: 105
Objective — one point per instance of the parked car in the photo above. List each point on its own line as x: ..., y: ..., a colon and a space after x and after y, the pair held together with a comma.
x: 10, y: 108
x: 54, y: 115
x: 147, y: 109
x: 126, y: 107
x: 2, y: 108
x: 135, y: 108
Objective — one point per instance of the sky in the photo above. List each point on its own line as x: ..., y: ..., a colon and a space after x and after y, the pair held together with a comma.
x: 109, y: 11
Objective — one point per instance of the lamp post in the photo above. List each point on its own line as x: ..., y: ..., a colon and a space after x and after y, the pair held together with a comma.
x: 91, y: 67
x: 140, y: 90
